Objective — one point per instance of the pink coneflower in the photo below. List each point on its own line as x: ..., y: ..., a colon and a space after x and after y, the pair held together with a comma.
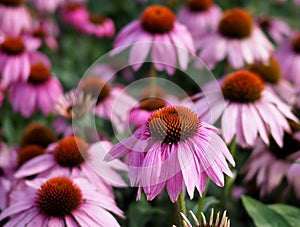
x: 75, y: 14
x: 272, y: 76
x: 70, y: 107
x: 8, y: 163
x: 250, y: 110
x: 14, y: 17
x: 41, y: 91
x: 61, y: 201
x: 277, y: 29
x: 288, y: 56
x: 47, y: 30
x: 270, y: 165
x: 98, y: 26
x: 200, y: 17
x: 72, y: 157
x: 160, y: 34
x: 174, y: 148
x: 14, y: 58
x: 109, y: 100
x: 37, y: 134
x: 47, y: 6
x: 237, y: 39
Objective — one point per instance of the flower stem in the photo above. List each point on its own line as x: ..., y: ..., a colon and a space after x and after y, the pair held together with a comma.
x: 181, y: 207
x: 152, y: 77
x: 201, y: 201
x: 228, y: 181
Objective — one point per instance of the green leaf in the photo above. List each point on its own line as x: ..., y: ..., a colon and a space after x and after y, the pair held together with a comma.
x: 292, y: 214
x: 262, y: 215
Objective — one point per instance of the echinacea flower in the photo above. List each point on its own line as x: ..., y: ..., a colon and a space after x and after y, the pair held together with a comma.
x: 277, y: 29
x: 224, y: 222
x: 200, y: 17
x: 269, y: 165
x: 47, y: 6
x: 288, y: 56
x: 41, y: 91
x: 15, y: 58
x: 72, y: 157
x: 47, y: 30
x: 174, y: 147
x: 71, y: 106
x: 61, y: 201
x: 98, y: 26
x: 14, y: 17
x: 272, y: 75
x: 74, y: 13
x: 250, y: 110
x: 157, y: 32
x: 37, y: 134
x: 109, y: 99
x: 237, y: 39
x: 8, y: 163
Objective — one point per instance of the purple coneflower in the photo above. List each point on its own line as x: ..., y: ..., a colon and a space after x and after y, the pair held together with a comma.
x: 237, y: 39
x: 174, y: 148
x: 271, y: 74
x: 270, y: 165
x: 72, y: 157
x: 47, y: 6
x: 15, y: 58
x: 41, y: 91
x: 108, y: 100
x: 200, y: 17
x: 61, y: 201
x: 250, y: 109
x: 288, y: 56
x: 14, y: 17
x: 277, y: 29
x: 156, y: 32
x: 98, y: 26
x: 75, y: 14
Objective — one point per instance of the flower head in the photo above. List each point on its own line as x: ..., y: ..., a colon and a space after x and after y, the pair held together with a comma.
x: 251, y: 110
x: 200, y: 16
x: 237, y: 39
x: 157, y: 29
x: 61, y: 201
x: 174, y: 147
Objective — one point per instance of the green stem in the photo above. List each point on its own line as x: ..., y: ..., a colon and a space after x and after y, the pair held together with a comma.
x: 181, y: 206
x: 201, y: 201
x: 228, y: 180
x: 152, y: 77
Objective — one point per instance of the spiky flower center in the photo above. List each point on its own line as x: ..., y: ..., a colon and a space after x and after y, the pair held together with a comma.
x: 242, y: 86
x: 37, y: 134
x: 39, y: 73
x: 13, y: 46
x: 236, y: 24
x: 29, y: 152
x: 264, y: 22
x: 70, y: 152
x: 39, y: 32
x: 296, y: 43
x: 290, y: 146
x: 270, y: 73
x: 157, y: 19
x: 98, y: 89
x: 71, y: 6
x: 151, y: 104
x: 58, y: 197
x: 173, y: 124
x: 97, y: 19
x: 199, y: 5
x: 12, y: 3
